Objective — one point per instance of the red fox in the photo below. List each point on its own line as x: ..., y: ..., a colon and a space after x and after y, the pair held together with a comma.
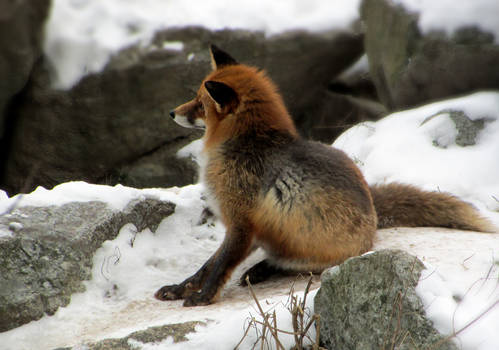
x: 306, y: 204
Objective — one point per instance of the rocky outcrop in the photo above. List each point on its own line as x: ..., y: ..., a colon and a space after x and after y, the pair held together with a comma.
x: 49, y: 250
x: 138, y: 339
x: 109, y: 120
x: 114, y: 126
x: 20, y: 39
x: 21, y: 24
x: 369, y: 302
x: 410, y: 67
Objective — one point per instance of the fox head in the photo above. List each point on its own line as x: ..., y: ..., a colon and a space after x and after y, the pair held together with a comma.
x: 232, y: 99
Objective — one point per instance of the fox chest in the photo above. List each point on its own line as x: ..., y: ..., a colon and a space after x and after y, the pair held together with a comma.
x: 230, y: 185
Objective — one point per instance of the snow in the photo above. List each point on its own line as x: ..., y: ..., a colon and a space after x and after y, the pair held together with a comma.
x: 440, y: 302
x: 128, y: 269
x: 459, y: 283
x: 449, y: 16
x: 81, y: 35
x: 461, y: 279
x: 401, y: 148
x: 361, y: 66
x: 116, y: 197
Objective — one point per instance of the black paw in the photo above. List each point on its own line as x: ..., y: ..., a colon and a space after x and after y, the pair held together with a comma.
x: 173, y: 292
x: 197, y: 299
x: 260, y: 272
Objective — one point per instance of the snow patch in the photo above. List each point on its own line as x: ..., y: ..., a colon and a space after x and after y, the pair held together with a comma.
x: 460, y: 283
x: 81, y: 35
x: 5, y: 232
x: 447, y: 15
x: 402, y: 148
x: 173, y: 45
x: 452, y: 309
x: 192, y: 150
x: 116, y: 197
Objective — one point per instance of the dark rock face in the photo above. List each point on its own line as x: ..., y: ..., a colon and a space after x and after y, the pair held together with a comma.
x: 369, y: 302
x: 91, y: 131
x: 335, y: 113
x: 410, y: 68
x: 50, y: 249
x: 20, y: 39
x: 21, y: 24
x: 114, y: 126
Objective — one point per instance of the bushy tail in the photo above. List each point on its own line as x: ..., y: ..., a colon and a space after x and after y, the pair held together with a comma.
x: 404, y: 205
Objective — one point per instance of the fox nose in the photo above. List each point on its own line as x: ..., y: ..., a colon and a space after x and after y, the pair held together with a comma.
x: 172, y: 113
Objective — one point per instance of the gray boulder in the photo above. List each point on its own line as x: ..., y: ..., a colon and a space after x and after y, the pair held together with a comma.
x: 369, y: 302
x: 91, y: 132
x: 114, y: 127
x: 467, y: 128
x: 150, y: 336
x: 49, y: 252
x: 410, y: 67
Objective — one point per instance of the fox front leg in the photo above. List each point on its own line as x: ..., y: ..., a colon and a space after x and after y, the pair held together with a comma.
x: 187, y: 287
x: 204, y: 286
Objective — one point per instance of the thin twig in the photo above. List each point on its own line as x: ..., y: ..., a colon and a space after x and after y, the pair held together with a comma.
x: 263, y: 314
x: 277, y: 342
x: 317, y: 331
x: 466, y: 326
x: 244, y: 335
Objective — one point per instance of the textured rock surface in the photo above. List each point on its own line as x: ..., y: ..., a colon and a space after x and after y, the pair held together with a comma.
x: 49, y: 252
x: 114, y: 126
x: 369, y: 302
x: 21, y: 24
x: 20, y: 39
x: 467, y: 129
x: 409, y: 67
x: 151, y: 335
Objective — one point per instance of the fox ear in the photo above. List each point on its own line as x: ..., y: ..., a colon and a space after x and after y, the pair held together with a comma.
x: 220, y: 58
x: 221, y: 93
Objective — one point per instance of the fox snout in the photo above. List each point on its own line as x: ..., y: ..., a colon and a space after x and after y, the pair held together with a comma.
x: 187, y: 117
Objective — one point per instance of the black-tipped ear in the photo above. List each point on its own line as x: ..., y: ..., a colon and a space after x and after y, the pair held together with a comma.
x: 221, y: 93
x: 220, y: 58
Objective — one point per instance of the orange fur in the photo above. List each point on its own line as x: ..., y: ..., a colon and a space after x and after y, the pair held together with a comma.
x: 306, y: 204
x: 259, y: 104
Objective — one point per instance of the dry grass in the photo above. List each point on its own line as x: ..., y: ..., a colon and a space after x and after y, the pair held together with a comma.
x: 302, y: 319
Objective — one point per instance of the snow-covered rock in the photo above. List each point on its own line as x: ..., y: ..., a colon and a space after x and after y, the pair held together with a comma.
x: 450, y: 146
x: 83, y: 35
x: 47, y: 250
x: 371, y: 302
x: 421, y: 50
x: 114, y: 127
